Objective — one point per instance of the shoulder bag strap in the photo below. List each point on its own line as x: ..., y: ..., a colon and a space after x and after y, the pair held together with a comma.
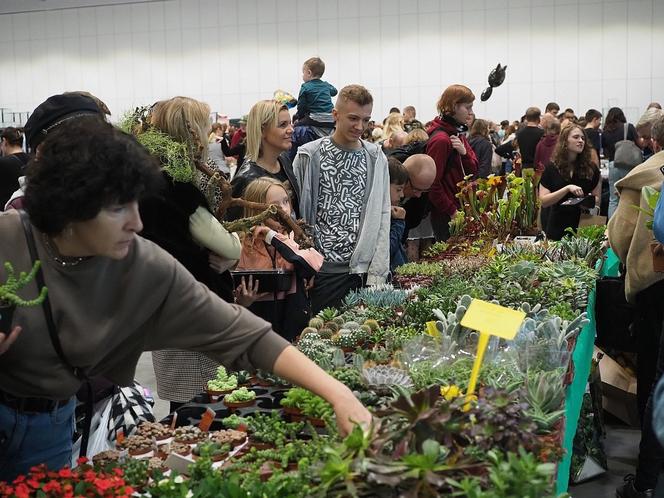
x: 55, y: 340
x: 625, y: 131
x: 27, y: 228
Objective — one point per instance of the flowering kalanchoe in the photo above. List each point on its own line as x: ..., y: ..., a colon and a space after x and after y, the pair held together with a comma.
x: 81, y: 481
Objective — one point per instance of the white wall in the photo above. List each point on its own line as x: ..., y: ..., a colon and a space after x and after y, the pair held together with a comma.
x: 230, y: 53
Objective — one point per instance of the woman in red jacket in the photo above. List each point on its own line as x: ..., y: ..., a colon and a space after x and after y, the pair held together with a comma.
x: 452, y: 153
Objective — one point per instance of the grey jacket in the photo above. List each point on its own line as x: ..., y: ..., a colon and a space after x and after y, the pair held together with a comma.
x: 372, y: 250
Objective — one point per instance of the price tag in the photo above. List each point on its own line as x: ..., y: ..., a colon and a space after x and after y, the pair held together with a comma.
x: 206, y: 420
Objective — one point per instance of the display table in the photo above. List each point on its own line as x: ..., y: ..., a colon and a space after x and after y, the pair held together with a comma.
x: 582, y: 358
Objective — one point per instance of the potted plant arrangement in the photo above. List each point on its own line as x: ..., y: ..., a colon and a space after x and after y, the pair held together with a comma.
x: 9, y: 298
x: 222, y: 384
x: 240, y: 398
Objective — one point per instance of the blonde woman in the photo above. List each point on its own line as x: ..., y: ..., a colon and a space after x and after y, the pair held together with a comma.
x: 393, y: 123
x: 180, y: 220
x: 269, y: 132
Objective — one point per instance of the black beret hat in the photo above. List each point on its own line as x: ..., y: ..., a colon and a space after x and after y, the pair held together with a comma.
x: 55, y: 110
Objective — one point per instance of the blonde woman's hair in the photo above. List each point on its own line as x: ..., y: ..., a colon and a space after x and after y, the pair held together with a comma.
x: 177, y: 117
x: 393, y: 123
x: 417, y: 135
x: 256, y: 191
x: 263, y: 115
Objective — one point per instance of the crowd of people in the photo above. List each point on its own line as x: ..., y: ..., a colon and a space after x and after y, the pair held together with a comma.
x: 374, y: 195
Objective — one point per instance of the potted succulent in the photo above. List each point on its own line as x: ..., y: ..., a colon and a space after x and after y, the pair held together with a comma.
x: 9, y: 299
x: 211, y: 449
x: 240, y: 398
x: 222, y: 384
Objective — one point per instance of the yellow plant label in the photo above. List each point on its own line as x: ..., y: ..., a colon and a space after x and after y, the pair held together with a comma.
x: 493, y: 319
x: 432, y: 330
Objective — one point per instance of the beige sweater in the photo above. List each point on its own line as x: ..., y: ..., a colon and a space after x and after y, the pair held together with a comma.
x: 108, y: 312
x: 628, y: 236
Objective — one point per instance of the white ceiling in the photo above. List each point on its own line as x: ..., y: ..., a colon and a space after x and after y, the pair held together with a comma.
x: 18, y: 6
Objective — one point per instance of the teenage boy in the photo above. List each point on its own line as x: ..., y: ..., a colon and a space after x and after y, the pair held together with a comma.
x: 529, y: 136
x: 345, y: 196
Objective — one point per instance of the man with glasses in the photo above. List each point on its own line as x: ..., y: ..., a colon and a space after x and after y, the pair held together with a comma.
x: 421, y: 170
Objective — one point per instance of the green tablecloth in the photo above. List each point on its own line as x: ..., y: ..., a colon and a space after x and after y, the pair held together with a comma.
x: 582, y: 357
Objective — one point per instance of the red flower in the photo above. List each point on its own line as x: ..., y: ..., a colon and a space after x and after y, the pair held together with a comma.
x: 52, y: 486
x: 22, y: 491
x: 33, y: 483
x: 82, y: 460
x: 65, y: 473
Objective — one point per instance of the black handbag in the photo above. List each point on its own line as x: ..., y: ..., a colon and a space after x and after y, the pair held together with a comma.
x: 614, y: 316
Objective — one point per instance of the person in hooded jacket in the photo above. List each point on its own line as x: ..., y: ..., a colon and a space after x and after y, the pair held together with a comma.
x: 452, y: 153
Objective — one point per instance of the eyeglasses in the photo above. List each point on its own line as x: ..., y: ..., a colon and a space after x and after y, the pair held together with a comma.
x: 418, y: 190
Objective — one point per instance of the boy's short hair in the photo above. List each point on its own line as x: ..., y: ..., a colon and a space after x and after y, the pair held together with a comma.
x: 592, y: 114
x: 552, y: 106
x: 398, y: 172
x: 355, y: 93
x: 316, y: 66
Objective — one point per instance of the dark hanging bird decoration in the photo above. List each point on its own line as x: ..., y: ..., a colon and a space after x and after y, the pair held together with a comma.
x: 496, y: 78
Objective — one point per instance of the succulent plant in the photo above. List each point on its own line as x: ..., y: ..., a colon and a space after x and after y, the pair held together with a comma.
x: 339, y: 320
x: 325, y: 333
x: 223, y: 381
x: 338, y: 358
x: 372, y: 324
x: 351, y: 325
x: 316, y: 323
x: 308, y: 330
x: 366, y: 329
x: 347, y: 338
x: 333, y: 326
x: 546, y: 396
x: 382, y: 378
x: 358, y: 361
x: 327, y: 314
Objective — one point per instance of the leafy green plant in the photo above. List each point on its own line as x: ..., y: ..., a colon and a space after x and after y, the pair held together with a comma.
x: 516, y: 474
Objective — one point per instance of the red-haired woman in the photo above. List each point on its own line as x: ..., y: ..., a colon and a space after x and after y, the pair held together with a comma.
x: 452, y: 153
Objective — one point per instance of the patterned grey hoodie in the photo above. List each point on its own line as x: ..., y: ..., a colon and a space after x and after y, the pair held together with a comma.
x: 372, y: 250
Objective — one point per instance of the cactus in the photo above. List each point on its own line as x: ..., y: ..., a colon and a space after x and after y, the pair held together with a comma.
x: 338, y: 358
x: 325, y: 333
x: 308, y: 330
x: 372, y: 324
x: 333, y: 326
x: 316, y: 323
x: 366, y: 329
x: 352, y: 325
x: 358, y: 362
x: 8, y: 290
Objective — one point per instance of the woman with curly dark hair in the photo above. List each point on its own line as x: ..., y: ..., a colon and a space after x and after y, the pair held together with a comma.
x: 570, y: 175
x: 111, y: 295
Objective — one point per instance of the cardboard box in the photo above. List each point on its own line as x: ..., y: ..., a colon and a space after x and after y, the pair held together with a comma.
x: 618, y: 390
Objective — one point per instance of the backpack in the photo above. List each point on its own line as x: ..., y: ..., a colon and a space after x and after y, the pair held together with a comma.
x: 627, y: 153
